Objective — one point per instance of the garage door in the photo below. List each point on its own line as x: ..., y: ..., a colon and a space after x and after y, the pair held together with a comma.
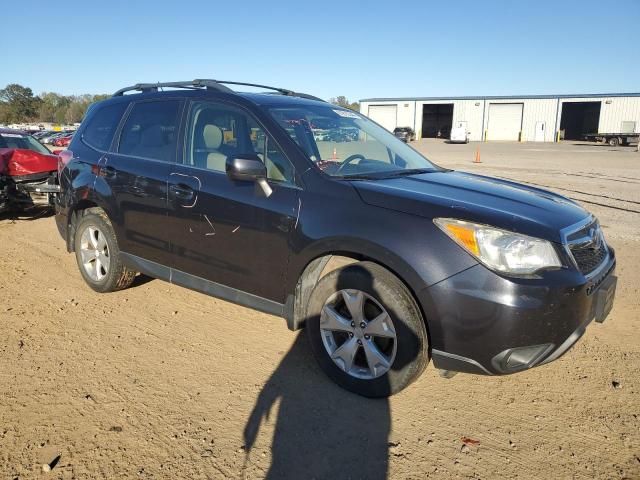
x: 505, y: 121
x: 385, y: 115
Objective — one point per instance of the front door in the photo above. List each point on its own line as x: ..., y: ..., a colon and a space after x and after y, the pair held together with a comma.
x: 224, y: 232
x: 136, y: 173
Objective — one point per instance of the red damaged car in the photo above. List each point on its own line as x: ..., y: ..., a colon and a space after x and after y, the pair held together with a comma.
x: 26, y: 168
x: 62, y: 141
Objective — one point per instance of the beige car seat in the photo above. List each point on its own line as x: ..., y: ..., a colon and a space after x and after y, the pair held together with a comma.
x: 213, y: 138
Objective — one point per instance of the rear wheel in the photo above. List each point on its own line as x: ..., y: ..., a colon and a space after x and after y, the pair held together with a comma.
x: 98, y: 255
x: 366, y: 331
x: 615, y: 141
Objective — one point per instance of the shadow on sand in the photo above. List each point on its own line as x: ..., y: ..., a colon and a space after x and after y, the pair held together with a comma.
x: 321, y: 431
x: 28, y: 214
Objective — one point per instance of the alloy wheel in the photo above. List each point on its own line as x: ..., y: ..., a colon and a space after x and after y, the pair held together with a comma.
x: 358, y: 334
x: 94, y: 253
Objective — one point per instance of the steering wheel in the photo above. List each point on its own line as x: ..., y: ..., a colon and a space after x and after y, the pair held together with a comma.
x: 350, y: 159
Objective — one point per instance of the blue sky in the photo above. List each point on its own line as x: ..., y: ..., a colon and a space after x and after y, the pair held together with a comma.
x: 354, y: 48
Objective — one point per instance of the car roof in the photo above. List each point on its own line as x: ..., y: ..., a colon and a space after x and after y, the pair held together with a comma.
x: 261, y: 99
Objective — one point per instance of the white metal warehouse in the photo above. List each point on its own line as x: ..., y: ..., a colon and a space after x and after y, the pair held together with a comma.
x: 527, y: 118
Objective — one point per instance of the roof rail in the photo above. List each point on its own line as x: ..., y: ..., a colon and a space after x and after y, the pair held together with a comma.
x: 282, y: 91
x: 192, y: 84
x: 209, y: 84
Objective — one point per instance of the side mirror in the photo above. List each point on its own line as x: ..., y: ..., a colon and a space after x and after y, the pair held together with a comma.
x: 248, y: 168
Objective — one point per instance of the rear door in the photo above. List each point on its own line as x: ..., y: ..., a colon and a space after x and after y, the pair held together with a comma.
x: 223, y: 231
x: 137, y: 172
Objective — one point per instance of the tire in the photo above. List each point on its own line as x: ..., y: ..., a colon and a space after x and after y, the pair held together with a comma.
x: 93, y: 234
x: 614, y: 141
x: 405, y: 356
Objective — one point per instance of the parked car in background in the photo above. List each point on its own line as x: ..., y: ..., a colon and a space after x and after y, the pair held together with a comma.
x: 49, y: 139
x: 48, y: 135
x: 406, y: 134
x: 27, y: 168
x: 387, y: 260
x: 63, y: 140
x: 40, y: 134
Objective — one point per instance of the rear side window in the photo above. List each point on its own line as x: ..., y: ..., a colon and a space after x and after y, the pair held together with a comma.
x: 151, y: 130
x: 102, y: 125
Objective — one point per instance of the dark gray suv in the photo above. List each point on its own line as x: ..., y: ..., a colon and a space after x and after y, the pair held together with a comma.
x: 388, y: 260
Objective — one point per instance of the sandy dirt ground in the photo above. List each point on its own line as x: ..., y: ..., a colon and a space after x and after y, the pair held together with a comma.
x: 160, y: 382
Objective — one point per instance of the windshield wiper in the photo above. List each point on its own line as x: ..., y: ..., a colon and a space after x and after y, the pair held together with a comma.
x: 410, y: 171
x: 358, y: 177
x: 383, y: 175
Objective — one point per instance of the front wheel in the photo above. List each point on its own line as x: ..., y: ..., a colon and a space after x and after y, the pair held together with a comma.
x: 366, y: 331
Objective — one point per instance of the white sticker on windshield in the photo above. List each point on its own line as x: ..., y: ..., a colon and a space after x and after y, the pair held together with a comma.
x: 347, y: 114
x: 11, y: 135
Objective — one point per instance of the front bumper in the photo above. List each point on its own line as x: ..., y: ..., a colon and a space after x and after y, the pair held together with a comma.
x: 480, y: 322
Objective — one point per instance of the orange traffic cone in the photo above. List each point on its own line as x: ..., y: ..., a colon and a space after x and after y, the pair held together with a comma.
x: 335, y: 154
x: 477, y: 159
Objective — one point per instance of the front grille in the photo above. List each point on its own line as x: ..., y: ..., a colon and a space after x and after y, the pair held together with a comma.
x: 588, y: 247
x: 589, y: 258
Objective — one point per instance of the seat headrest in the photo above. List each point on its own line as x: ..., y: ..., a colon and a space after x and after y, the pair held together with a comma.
x: 213, y: 136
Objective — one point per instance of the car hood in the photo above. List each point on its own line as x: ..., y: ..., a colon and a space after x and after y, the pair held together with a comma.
x: 500, y: 203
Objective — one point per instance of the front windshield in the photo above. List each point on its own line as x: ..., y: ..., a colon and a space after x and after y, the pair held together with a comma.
x: 343, y: 143
x: 19, y: 140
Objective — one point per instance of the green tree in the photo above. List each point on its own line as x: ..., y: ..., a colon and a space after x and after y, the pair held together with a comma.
x: 53, y: 107
x: 4, y: 113
x: 75, y: 112
x: 344, y: 102
x: 19, y: 103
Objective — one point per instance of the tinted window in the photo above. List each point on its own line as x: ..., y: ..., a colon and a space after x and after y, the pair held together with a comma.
x: 102, y: 125
x: 218, y: 131
x: 151, y: 130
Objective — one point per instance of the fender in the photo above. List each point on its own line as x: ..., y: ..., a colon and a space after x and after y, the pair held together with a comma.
x: 80, y: 192
x: 306, y: 267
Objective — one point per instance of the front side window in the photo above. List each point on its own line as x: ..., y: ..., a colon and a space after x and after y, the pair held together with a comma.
x: 216, y: 132
x: 102, y: 125
x: 343, y: 143
x: 151, y: 130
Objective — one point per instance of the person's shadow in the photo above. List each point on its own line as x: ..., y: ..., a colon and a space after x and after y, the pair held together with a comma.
x: 321, y: 431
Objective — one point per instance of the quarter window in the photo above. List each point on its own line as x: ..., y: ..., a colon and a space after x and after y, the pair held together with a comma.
x: 217, y: 132
x: 151, y: 130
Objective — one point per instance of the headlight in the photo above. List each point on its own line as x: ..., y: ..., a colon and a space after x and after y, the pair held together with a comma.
x: 499, y: 249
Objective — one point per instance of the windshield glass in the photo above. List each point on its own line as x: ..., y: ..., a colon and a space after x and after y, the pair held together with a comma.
x: 18, y: 140
x: 343, y: 143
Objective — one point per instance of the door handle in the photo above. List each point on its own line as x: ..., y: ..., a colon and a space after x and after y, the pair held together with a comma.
x: 182, y: 191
